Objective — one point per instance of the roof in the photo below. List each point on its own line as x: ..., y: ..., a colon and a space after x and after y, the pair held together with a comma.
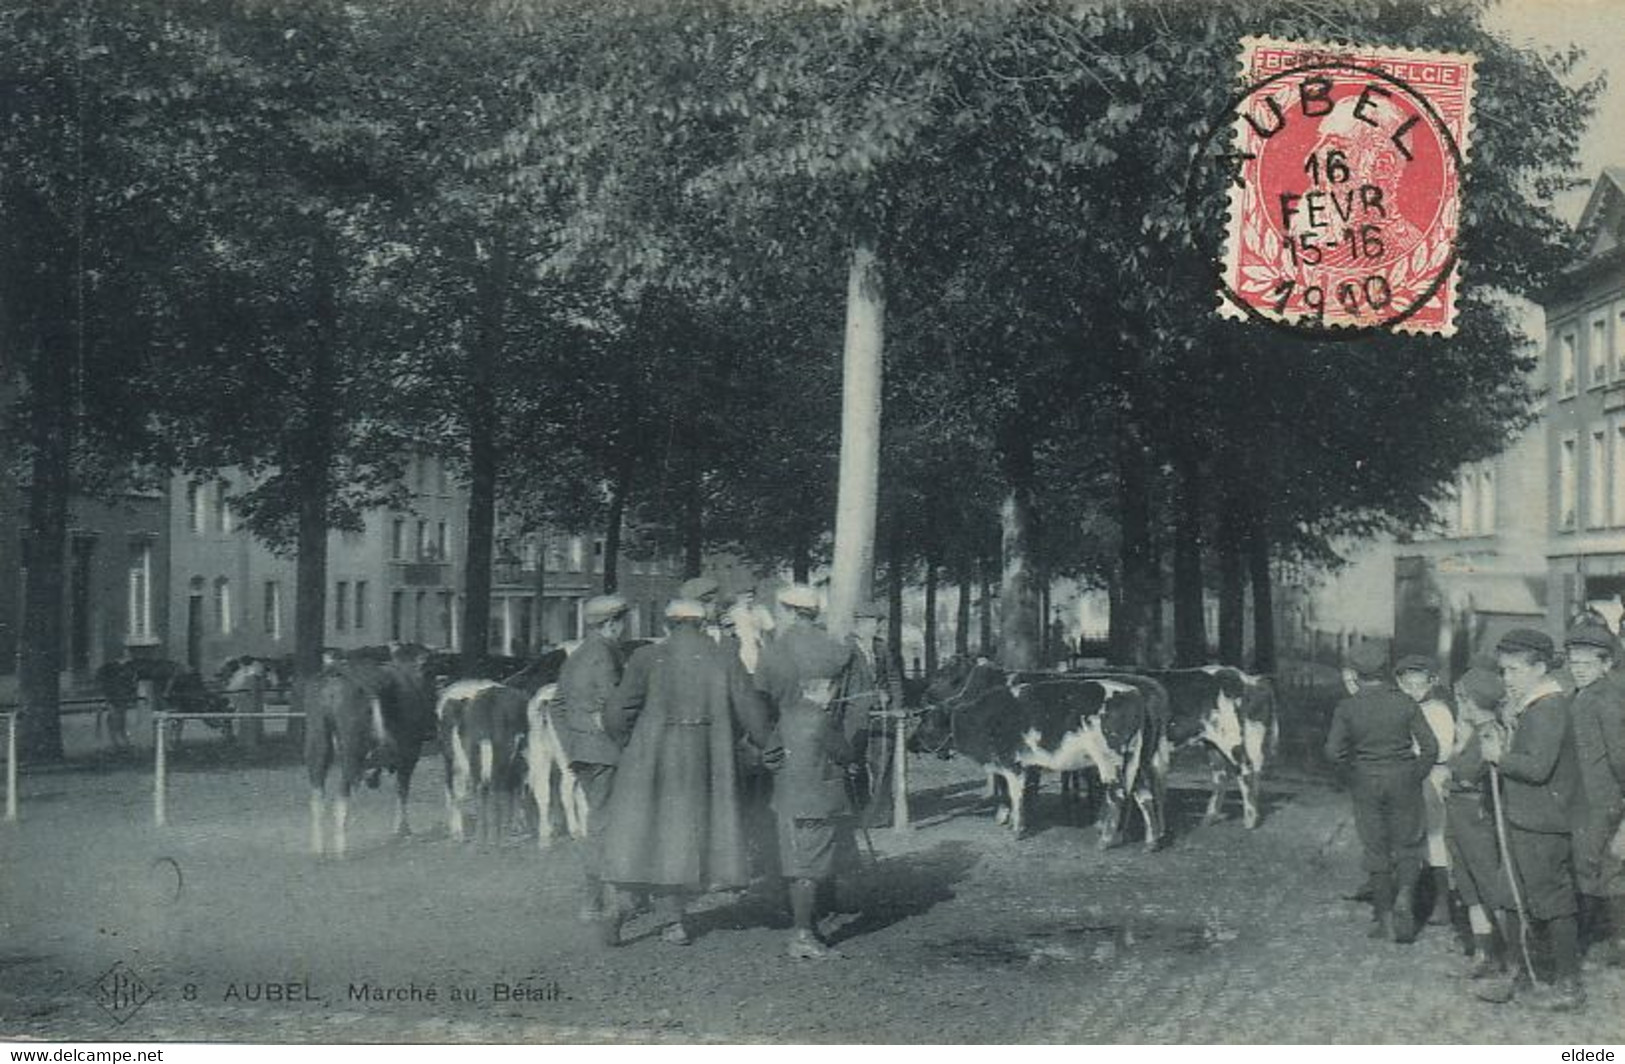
x: 1605, y: 211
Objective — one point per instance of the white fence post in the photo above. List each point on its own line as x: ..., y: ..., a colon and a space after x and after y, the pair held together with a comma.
x: 159, y: 783
x: 899, y: 791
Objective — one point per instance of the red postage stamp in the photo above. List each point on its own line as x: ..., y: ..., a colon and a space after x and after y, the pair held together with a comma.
x: 1346, y: 203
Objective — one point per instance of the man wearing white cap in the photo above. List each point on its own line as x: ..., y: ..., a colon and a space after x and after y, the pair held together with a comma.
x: 674, y: 825
x: 586, y: 684
x: 799, y: 672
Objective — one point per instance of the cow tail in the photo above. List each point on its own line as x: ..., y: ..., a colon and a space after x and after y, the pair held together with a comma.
x: 488, y: 761
x: 459, y: 762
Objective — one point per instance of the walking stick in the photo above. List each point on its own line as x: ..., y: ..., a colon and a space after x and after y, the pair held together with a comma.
x: 1511, y: 873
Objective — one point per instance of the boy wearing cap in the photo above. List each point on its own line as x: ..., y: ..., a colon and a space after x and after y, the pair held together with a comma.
x: 1381, y: 734
x: 874, y: 687
x: 798, y: 673
x: 586, y: 683
x: 1415, y: 676
x: 1540, y: 793
x: 1598, y: 713
x: 1475, y: 853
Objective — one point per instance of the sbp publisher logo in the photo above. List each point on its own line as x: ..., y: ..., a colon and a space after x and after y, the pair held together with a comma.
x: 120, y: 992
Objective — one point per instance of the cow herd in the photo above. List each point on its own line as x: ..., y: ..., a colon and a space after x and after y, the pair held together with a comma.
x: 1119, y: 728
x: 372, y: 712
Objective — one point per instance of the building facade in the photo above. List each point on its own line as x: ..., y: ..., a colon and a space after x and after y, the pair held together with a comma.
x: 1585, y: 416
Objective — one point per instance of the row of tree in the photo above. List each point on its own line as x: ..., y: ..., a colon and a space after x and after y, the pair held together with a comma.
x: 605, y: 258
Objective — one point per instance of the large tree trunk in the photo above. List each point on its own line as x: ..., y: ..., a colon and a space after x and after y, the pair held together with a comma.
x: 1018, y: 591
x: 801, y: 561
x: 1232, y: 580
x: 1190, y: 626
x: 482, y: 450
x: 1141, y: 583
x: 693, y: 522
x: 962, y: 612
x: 896, y: 575
x: 315, y: 464
x: 617, y: 517
x: 930, y: 616
x: 538, y: 627
x: 984, y: 570
x: 51, y: 436
x: 1258, y: 563
x: 852, y: 570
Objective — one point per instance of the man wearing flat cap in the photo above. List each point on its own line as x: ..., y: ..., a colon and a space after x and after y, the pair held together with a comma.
x: 1415, y: 676
x: 674, y: 825
x: 1598, y: 712
x: 705, y: 591
x: 1382, y: 736
x: 1541, y: 800
x: 872, y: 686
x: 799, y: 673
x: 586, y: 683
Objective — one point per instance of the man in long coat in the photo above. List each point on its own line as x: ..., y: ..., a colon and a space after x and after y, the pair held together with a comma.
x: 586, y: 684
x: 674, y: 826
x: 798, y: 672
x: 1598, y: 712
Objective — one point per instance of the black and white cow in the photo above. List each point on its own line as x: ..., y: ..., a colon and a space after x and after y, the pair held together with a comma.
x: 482, y: 730
x: 366, y: 716
x: 1010, y: 723
x: 1230, y: 713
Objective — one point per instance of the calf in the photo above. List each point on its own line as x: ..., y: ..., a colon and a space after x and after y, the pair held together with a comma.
x: 365, y: 716
x: 482, y: 730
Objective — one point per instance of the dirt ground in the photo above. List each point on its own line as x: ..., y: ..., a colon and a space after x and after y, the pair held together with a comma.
x: 961, y: 932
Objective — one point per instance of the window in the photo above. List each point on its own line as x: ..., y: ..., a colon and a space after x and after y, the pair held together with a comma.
x: 341, y: 605
x: 1618, y: 514
x: 578, y: 556
x: 397, y: 539
x: 196, y: 508
x: 597, y: 555
x: 1597, y: 351
x: 528, y: 554
x: 1597, y: 480
x: 554, y: 552
x: 1467, y: 501
x: 222, y: 605
x: 423, y: 541
x: 1486, y: 500
x: 442, y: 545
x: 1566, y: 485
x: 273, y: 609
x: 1619, y: 344
x: 222, y: 513
x: 397, y: 614
x: 360, y: 605
x: 138, y: 612
x: 1566, y: 368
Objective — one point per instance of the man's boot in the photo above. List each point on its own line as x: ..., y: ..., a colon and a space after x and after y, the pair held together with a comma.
x: 1404, y: 917
x: 1564, y: 993
x: 1516, y: 981
x: 804, y: 943
x: 1487, y: 960
x: 1440, y: 915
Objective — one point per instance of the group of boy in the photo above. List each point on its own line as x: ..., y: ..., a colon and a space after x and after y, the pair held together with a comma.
x: 1513, y: 800
x: 718, y: 756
